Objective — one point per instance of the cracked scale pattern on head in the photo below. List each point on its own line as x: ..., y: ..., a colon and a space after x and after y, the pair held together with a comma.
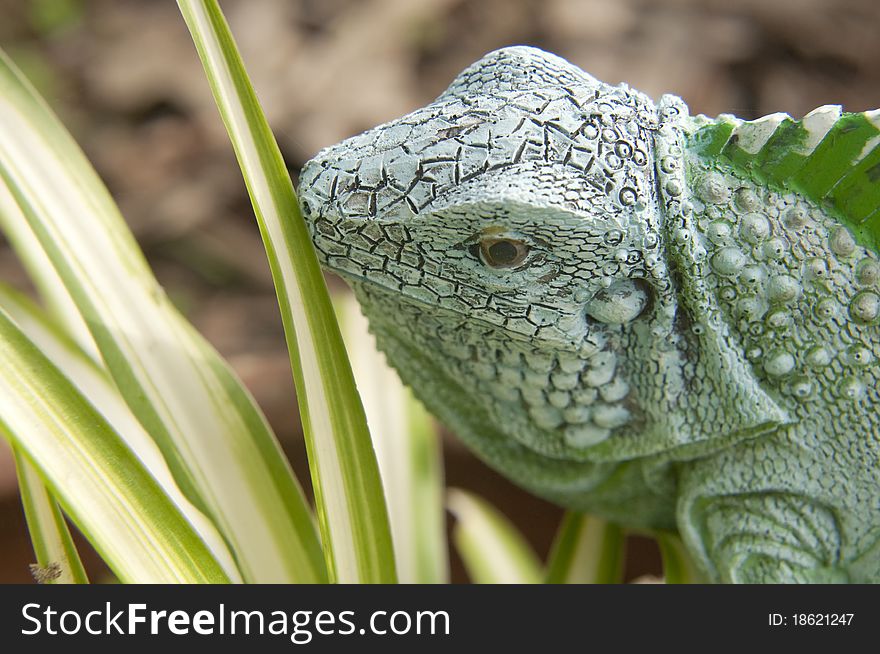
x: 609, y: 305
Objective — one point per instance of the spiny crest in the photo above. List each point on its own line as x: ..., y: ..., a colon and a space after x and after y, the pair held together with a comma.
x: 829, y: 157
x: 764, y: 214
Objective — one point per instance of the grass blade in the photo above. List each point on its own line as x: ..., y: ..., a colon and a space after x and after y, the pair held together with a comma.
x: 587, y: 550
x: 493, y: 551
x: 97, y: 479
x: 216, y: 442
x: 94, y: 383
x: 58, y: 561
x: 348, y: 490
x: 678, y: 567
x: 43, y: 274
x: 408, y: 450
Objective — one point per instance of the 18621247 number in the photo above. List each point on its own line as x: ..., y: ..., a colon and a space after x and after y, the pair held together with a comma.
x: 822, y: 619
x: 810, y: 619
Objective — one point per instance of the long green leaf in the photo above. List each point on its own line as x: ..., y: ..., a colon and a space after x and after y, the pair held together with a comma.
x: 678, y: 567
x: 105, y: 488
x: 95, y: 384
x: 345, y: 475
x: 408, y: 449
x: 492, y: 550
x: 58, y: 561
x: 43, y: 274
x: 587, y: 550
x: 216, y: 442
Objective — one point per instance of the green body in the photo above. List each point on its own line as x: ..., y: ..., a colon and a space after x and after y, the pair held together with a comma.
x: 664, y: 320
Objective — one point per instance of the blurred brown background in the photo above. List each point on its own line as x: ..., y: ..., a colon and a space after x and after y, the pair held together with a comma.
x: 124, y: 77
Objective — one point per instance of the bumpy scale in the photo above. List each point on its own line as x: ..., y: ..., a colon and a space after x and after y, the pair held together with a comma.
x: 665, y: 320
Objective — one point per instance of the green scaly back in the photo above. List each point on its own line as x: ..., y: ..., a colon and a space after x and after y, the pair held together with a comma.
x: 829, y: 157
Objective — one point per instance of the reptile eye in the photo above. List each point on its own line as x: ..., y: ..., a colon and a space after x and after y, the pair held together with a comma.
x: 503, y: 252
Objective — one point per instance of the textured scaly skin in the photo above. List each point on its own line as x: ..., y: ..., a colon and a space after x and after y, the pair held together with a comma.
x: 683, y: 344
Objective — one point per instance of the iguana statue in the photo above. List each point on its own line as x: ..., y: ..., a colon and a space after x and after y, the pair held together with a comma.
x: 662, y: 319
